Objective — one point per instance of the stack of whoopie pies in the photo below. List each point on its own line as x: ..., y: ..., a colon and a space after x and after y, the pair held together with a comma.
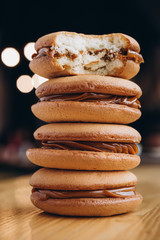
x: 87, y: 149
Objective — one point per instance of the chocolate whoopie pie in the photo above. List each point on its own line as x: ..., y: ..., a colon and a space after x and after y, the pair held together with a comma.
x: 88, y: 98
x: 69, y: 53
x: 84, y: 193
x: 86, y: 146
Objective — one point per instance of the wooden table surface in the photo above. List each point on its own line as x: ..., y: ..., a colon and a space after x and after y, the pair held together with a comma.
x: 19, y: 219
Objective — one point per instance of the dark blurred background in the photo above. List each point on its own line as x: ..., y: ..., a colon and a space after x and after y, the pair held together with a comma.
x: 25, y: 21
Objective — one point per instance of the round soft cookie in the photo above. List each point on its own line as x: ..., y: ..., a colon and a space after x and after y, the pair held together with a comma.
x: 88, y: 98
x: 70, y: 53
x: 86, y: 146
x: 84, y: 193
x: 97, y: 132
x: 82, y: 160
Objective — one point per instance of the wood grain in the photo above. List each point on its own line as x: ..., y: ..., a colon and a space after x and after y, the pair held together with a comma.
x: 19, y: 219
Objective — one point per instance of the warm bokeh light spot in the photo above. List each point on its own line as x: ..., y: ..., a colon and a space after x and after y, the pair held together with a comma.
x: 37, y: 80
x: 24, y: 84
x: 10, y: 57
x: 29, y: 50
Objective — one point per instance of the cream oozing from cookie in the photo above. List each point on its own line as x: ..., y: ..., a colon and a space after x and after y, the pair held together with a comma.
x: 94, y: 97
x: 45, y: 194
x: 127, y: 148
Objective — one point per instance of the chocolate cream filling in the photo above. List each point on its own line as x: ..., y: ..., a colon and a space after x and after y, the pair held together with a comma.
x: 43, y: 194
x: 94, y: 97
x: 127, y: 148
x: 107, y: 55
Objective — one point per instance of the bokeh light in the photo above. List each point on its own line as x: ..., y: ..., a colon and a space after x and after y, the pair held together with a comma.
x: 38, y: 80
x: 10, y: 57
x: 29, y: 50
x: 24, y: 84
